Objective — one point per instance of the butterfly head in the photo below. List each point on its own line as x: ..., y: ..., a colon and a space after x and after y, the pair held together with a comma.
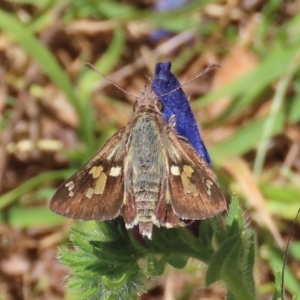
x: 148, y: 101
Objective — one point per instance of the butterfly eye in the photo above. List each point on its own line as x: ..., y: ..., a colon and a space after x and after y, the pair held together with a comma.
x: 160, y: 106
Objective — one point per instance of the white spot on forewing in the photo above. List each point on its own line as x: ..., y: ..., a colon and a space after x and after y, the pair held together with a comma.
x: 115, y: 171
x: 208, y: 184
x: 175, y: 170
x: 69, y: 183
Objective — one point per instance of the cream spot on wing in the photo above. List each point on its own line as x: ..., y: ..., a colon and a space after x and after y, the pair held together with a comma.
x: 70, y: 185
x: 100, y: 184
x: 188, y: 170
x: 115, y: 171
x: 89, y: 193
x: 175, y: 170
x: 208, y: 184
x: 188, y: 186
x: 96, y: 171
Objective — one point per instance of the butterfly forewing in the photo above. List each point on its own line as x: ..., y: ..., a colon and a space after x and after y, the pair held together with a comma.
x: 193, y: 185
x: 96, y: 191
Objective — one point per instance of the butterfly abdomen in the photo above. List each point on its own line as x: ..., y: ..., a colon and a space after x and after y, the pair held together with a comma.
x: 146, y: 194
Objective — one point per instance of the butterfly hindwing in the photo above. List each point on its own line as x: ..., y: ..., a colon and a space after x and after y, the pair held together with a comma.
x: 96, y: 191
x: 164, y: 213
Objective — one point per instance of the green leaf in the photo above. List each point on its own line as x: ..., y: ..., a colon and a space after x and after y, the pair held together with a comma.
x: 234, y: 212
x: 177, y: 261
x: 215, y: 269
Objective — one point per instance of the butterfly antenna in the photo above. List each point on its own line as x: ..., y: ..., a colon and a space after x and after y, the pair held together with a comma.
x: 93, y: 68
x: 147, y: 83
x: 206, y: 70
x: 149, y: 79
x: 285, y: 258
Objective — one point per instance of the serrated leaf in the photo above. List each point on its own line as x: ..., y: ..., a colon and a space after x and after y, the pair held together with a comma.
x: 226, y: 252
x: 115, y: 284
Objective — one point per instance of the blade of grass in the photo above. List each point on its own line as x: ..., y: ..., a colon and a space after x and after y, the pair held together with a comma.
x: 12, y: 196
x: 33, y: 216
x: 36, y: 3
x: 49, y: 64
x: 85, y: 86
x: 253, y: 83
x: 275, y: 111
x: 244, y: 139
x: 105, y: 64
x: 275, y: 261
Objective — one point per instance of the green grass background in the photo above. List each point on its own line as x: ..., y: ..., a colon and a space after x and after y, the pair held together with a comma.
x: 275, y: 80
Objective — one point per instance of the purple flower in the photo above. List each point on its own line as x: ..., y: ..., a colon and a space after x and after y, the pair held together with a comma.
x: 176, y: 103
